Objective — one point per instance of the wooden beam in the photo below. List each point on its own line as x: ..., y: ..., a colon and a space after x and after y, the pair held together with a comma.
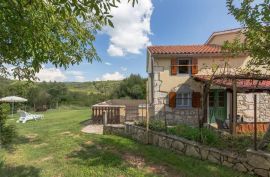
x: 258, y: 77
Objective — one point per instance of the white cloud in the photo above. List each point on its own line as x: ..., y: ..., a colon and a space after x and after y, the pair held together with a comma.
x: 76, y: 76
x: 79, y: 78
x: 131, y: 28
x: 111, y: 76
x: 123, y: 68
x: 108, y: 63
x: 55, y: 74
x: 51, y: 74
x: 115, y: 51
x: 73, y: 72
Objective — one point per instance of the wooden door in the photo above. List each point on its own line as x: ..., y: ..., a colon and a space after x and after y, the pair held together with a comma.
x: 217, y: 105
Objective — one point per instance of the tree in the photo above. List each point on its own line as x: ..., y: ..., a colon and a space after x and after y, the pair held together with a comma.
x: 57, y: 92
x: 254, y: 17
x: 60, y: 32
x: 133, y: 87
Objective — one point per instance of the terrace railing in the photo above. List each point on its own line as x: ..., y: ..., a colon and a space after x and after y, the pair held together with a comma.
x: 113, y: 113
x: 118, y: 111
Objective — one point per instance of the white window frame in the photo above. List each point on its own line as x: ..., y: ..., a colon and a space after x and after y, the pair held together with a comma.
x: 189, y: 67
x: 180, y: 102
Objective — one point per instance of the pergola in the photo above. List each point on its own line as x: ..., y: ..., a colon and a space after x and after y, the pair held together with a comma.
x: 241, y: 83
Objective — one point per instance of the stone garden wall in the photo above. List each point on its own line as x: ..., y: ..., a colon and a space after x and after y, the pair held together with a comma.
x: 256, y: 162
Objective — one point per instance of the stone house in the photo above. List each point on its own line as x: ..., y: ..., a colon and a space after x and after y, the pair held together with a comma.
x: 175, y: 87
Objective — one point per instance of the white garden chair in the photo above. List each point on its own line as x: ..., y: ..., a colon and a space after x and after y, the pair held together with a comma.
x: 24, y: 117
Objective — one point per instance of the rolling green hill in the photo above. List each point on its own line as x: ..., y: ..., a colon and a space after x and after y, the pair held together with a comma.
x: 51, y: 94
x: 95, y: 87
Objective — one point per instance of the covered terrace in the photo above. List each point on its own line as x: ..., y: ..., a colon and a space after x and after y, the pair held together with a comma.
x: 244, y: 84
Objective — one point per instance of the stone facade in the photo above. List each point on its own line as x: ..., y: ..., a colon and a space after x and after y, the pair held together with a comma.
x: 180, y: 116
x: 160, y: 106
x: 256, y: 162
x: 245, y: 107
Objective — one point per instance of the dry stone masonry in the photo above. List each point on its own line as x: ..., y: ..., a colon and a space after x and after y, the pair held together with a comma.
x: 256, y: 162
x: 245, y: 107
x: 187, y: 116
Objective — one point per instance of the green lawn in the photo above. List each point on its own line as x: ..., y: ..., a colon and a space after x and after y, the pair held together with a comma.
x: 55, y: 147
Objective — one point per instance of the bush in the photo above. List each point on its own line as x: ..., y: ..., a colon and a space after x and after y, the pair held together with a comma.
x: 1, y: 162
x: 155, y: 125
x: 7, y: 132
x: 205, y: 136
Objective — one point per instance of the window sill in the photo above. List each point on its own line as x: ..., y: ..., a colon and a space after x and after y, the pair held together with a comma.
x: 184, y: 75
x: 183, y: 107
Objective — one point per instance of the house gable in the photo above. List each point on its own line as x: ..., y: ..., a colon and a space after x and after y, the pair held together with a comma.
x: 218, y: 38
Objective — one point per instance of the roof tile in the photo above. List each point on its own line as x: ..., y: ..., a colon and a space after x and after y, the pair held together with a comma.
x: 185, y: 49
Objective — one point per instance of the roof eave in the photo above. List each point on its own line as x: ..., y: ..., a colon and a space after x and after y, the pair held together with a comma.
x: 195, y: 55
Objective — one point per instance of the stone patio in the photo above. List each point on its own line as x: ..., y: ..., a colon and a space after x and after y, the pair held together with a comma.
x: 92, y: 128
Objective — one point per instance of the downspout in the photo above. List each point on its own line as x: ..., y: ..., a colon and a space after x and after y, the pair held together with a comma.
x: 152, y: 80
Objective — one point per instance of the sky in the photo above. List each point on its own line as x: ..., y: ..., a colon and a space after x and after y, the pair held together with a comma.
x: 151, y: 22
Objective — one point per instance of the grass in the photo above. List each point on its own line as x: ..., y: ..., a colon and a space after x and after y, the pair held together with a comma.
x: 55, y: 147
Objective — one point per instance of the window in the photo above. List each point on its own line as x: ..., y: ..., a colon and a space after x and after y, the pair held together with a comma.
x: 221, y: 99
x: 184, y: 66
x: 183, y: 99
x: 211, y: 99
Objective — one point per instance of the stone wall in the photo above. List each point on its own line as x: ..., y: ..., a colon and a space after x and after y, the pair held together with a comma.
x: 115, y: 129
x: 160, y: 106
x: 256, y: 162
x: 180, y: 116
x: 245, y: 107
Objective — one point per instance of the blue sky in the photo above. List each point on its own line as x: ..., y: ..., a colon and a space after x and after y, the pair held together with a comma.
x: 156, y: 22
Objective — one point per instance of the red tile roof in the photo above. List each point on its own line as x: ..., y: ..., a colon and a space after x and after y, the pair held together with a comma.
x: 250, y: 84
x: 185, y: 49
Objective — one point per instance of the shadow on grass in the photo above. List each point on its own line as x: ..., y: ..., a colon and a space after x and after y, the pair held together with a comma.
x: 19, y: 140
x: 19, y: 171
x: 174, y: 161
x: 95, y: 155
x: 86, y: 122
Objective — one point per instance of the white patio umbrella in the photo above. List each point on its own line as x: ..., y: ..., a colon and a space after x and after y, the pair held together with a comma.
x: 13, y: 99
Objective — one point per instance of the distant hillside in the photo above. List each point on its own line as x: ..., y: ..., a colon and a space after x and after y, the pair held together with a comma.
x: 52, y: 94
x: 95, y: 87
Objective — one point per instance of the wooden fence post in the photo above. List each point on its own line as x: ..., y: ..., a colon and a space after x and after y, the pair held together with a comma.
x: 105, y: 116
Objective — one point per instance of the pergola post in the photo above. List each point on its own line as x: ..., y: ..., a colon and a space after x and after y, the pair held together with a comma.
x: 255, y: 121
x: 234, y: 118
x: 147, y: 108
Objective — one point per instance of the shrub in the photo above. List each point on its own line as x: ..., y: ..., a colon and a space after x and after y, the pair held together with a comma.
x: 7, y: 132
x: 1, y: 162
x: 209, y: 137
x: 155, y: 125
x: 205, y: 136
